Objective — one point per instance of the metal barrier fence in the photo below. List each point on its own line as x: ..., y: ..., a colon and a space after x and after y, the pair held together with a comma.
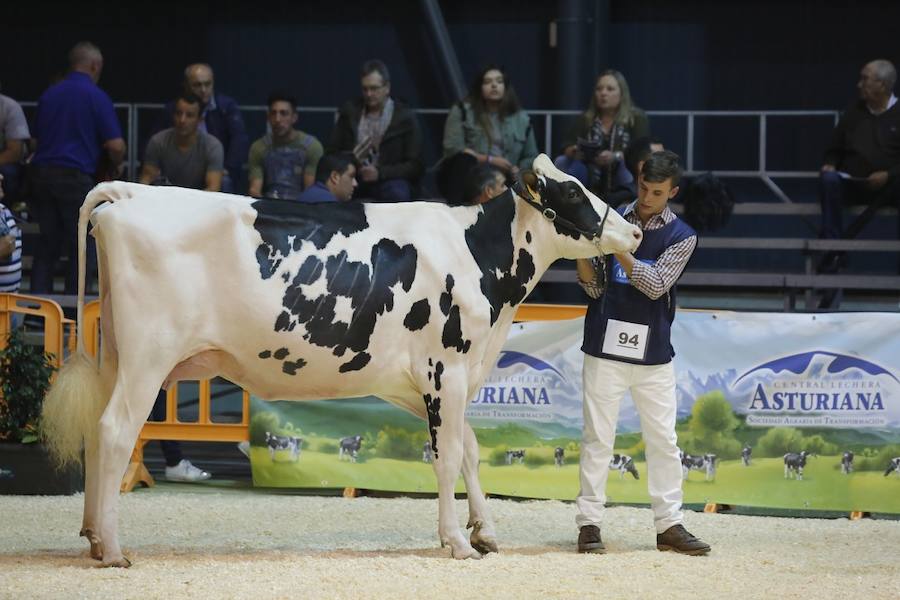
x: 687, y: 121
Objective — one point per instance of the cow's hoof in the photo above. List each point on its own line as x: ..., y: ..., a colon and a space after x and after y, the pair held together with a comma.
x: 484, y: 544
x: 471, y: 553
x: 96, y: 550
x: 122, y: 563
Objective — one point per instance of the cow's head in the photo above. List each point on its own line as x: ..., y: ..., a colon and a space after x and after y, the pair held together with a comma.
x: 586, y: 224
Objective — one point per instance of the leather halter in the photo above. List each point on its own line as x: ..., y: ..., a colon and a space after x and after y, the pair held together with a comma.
x: 521, y: 190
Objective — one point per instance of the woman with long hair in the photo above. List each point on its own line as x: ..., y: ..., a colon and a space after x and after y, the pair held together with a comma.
x: 594, y: 149
x: 490, y: 126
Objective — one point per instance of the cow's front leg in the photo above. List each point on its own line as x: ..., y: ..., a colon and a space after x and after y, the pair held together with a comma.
x: 445, y: 412
x: 484, y: 537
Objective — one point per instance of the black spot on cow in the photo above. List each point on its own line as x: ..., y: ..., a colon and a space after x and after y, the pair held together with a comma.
x: 285, y: 276
x: 291, y: 366
x: 452, y: 336
x: 281, y: 353
x: 367, y: 287
x: 279, y: 222
x: 491, y: 243
x: 447, y: 296
x: 433, y: 409
x: 438, y: 371
x: 528, y: 236
x: 418, y: 315
x: 356, y: 363
x: 265, y: 354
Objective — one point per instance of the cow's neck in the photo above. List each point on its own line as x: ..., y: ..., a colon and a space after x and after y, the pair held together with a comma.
x: 510, y: 245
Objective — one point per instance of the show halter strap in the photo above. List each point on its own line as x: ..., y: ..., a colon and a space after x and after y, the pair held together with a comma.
x: 522, y: 192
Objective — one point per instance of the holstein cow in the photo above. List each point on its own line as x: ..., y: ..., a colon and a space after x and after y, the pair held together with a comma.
x: 517, y: 455
x: 893, y: 467
x: 794, y: 463
x: 411, y: 302
x: 427, y: 454
x: 705, y: 463
x: 350, y: 446
x: 846, y: 462
x: 283, y: 442
x: 746, y: 453
x: 559, y: 456
x: 623, y: 463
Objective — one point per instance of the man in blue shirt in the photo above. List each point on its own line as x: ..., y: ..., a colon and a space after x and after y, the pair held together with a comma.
x: 627, y: 347
x: 76, y: 126
x: 335, y: 179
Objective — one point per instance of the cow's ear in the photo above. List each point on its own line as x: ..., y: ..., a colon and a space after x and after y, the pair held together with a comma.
x: 531, y: 182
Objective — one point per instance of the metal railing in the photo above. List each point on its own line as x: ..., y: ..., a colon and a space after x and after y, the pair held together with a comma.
x: 762, y: 172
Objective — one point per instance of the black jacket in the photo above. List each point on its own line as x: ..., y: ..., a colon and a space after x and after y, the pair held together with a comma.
x: 400, y: 152
x: 863, y: 143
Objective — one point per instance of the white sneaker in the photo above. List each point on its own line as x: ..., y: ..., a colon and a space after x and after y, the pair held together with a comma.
x: 185, y: 471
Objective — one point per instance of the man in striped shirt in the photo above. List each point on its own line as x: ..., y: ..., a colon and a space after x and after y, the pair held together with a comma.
x: 627, y: 347
x: 10, y: 249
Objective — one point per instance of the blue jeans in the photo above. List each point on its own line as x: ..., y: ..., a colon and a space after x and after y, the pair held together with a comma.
x: 835, y: 192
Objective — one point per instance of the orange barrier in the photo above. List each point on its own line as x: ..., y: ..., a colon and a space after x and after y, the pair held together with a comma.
x: 205, y: 430
x: 49, y: 311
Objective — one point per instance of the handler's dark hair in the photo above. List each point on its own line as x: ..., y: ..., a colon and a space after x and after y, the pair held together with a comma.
x: 661, y: 166
x: 339, y: 162
x: 476, y: 180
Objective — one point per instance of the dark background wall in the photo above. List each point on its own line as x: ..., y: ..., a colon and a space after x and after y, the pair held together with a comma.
x: 676, y: 55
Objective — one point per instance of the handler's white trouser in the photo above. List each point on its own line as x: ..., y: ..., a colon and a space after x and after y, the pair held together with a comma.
x: 653, y: 391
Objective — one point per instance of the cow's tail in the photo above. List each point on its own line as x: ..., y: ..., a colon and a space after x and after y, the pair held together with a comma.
x: 72, y: 407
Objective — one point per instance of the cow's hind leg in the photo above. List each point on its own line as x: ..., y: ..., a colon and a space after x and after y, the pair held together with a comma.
x: 129, y: 406
x: 483, y: 538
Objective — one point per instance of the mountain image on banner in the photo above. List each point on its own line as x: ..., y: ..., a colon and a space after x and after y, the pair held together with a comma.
x: 798, y: 364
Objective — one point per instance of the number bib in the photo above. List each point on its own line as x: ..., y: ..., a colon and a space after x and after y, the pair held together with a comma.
x: 628, y: 340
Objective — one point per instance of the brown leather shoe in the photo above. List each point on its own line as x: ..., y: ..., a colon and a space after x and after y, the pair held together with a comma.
x: 678, y: 539
x: 589, y: 541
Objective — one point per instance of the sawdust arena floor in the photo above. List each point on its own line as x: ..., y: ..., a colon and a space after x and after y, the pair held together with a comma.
x: 247, y: 544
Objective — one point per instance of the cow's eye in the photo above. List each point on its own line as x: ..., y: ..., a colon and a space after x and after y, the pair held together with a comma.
x: 573, y: 195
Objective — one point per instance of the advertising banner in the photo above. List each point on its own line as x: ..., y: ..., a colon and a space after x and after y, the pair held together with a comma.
x: 774, y: 410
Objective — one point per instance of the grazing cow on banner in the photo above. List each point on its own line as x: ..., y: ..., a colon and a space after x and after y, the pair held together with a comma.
x: 283, y: 442
x: 746, y: 453
x: 559, y: 456
x: 794, y: 463
x: 846, y: 462
x: 705, y: 464
x: 893, y: 467
x: 349, y: 447
x: 515, y: 455
x: 411, y: 302
x: 623, y: 463
x: 427, y: 454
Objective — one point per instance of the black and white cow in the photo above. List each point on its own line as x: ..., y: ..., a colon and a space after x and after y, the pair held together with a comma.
x: 846, y: 462
x: 623, y: 463
x: 411, y: 302
x: 349, y: 447
x: 427, y: 454
x: 559, y: 456
x: 746, y: 453
x: 794, y: 463
x: 515, y: 455
x: 893, y: 467
x: 705, y: 463
x: 283, y: 442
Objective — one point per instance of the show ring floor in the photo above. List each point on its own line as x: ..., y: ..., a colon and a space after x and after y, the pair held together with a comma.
x: 246, y: 544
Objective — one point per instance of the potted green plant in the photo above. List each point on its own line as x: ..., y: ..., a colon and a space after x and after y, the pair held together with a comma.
x: 25, y: 467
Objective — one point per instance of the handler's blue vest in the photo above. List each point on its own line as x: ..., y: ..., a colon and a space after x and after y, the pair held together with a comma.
x: 624, y: 302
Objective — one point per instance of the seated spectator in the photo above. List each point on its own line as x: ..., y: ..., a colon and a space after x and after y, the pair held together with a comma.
x: 335, y: 179
x: 13, y: 137
x: 862, y: 162
x: 219, y: 117
x: 594, y: 148
x: 483, y: 183
x: 383, y: 135
x: 283, y: 162
x: 183, y: 155
x: 490, y: 125
x: 10, y: 248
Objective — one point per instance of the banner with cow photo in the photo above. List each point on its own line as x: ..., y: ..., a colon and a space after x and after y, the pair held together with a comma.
x: 774, y: 410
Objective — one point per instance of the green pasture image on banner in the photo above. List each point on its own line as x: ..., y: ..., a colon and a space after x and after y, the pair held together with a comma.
x: 742, y: 404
